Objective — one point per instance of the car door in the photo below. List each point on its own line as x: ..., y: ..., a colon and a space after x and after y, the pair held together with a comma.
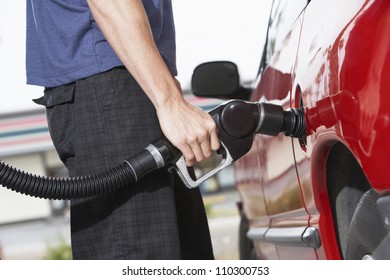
x: 272, y: 200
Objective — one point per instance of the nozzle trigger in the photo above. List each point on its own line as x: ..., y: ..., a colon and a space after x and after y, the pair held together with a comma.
x: 185, y: 176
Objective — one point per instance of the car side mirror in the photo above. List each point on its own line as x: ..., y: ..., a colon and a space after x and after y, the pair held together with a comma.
x: 218, y: 79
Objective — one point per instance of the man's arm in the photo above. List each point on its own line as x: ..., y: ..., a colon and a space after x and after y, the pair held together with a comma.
x: 125, y: 25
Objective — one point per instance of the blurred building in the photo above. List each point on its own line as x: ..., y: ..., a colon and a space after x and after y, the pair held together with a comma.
x: 25, y: 144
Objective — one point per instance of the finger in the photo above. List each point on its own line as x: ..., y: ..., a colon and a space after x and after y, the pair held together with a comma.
x: 188, y: 154
x: 197, y: 151
x: 205, y: 145
x: 215, y: 144
x: 206, y: 148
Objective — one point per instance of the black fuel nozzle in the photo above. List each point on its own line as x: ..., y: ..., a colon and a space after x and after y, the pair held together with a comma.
x: 273, y: 120
x: 237, y: 122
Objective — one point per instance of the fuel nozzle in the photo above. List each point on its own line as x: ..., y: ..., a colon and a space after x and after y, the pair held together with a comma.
x: 240, y: 118
x: 237, y: 122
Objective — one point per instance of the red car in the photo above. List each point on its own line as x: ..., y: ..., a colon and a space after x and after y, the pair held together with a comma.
x: 324, y: 196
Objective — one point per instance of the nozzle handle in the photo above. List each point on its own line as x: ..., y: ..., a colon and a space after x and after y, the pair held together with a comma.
x: 191, y: 183
x: 162, y: 153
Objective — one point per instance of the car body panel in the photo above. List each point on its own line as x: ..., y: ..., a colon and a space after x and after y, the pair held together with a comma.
x: 350, y: 66
x: 334, y: 59
x: 272, y: 162
x: 342, y: 64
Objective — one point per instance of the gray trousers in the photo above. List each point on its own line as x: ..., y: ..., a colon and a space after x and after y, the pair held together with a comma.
x: 96, y: 123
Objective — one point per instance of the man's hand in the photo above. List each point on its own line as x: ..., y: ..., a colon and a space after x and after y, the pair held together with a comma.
x: 190, y: 129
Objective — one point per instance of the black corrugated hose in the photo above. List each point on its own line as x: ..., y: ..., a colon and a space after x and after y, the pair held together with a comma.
x: 65, y: 188
x: 156, y: 155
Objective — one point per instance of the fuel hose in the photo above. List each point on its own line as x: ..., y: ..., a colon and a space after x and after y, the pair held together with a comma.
x: 156, y: 155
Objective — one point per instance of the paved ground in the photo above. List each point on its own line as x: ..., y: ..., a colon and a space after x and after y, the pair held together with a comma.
x: 224, y: 236
x: 30, y: 240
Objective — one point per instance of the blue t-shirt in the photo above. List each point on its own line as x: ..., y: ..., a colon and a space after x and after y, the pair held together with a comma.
x: 64, y: 43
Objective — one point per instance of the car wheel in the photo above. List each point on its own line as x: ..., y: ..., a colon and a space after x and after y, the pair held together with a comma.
x: 366, y: 238
x: 246, y: 248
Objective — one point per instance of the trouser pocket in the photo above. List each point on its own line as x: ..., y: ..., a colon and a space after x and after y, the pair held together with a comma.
x: 59, y: 103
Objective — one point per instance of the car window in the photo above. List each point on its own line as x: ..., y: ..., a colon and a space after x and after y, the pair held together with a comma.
x: 283, y: 15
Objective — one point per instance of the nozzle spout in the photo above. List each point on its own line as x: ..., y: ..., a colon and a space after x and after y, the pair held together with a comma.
x: 273, y: 120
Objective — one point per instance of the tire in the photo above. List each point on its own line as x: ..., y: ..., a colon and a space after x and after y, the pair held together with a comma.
x: 367, y: 236
x: 246, y: 248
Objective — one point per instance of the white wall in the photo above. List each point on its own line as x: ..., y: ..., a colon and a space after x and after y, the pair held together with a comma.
x: 15, y: 95
x: 15, y: 207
